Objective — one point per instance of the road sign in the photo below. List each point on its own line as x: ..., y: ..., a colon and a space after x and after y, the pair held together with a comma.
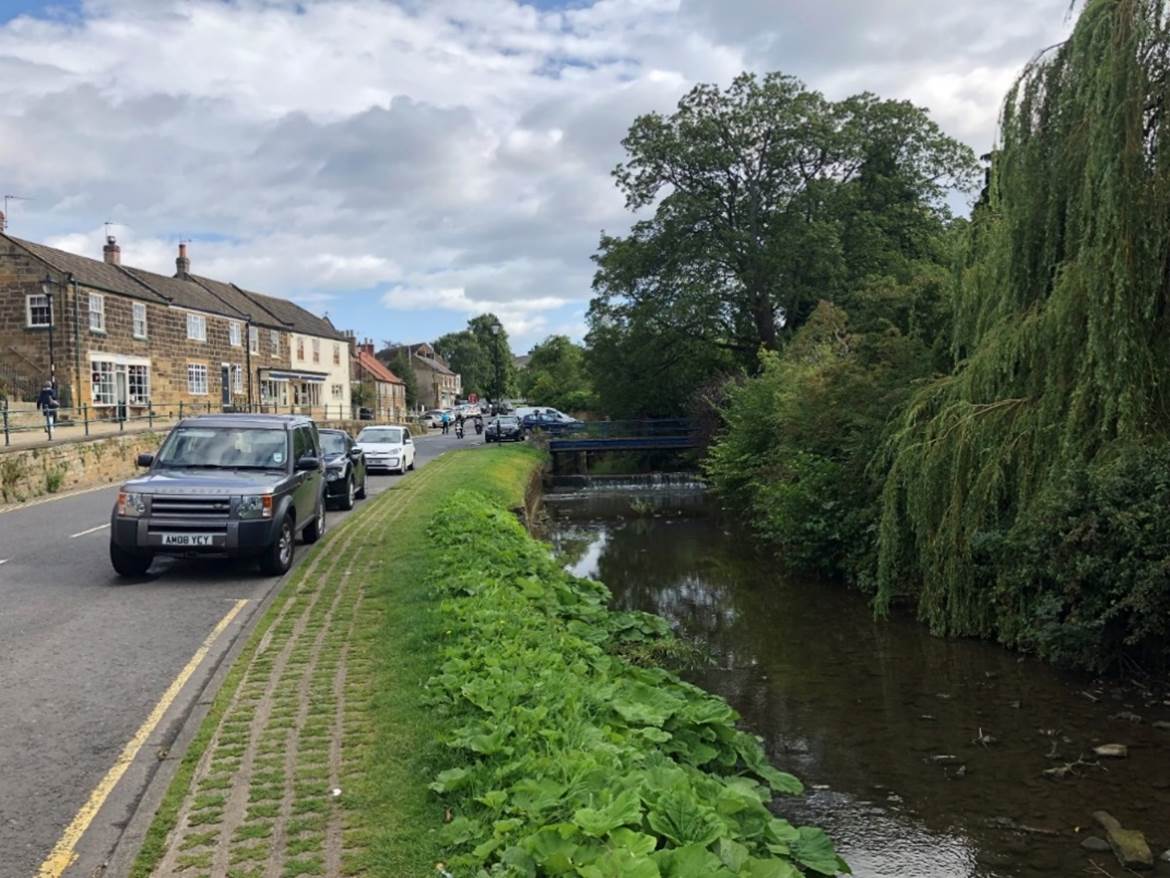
x: 474, y: 397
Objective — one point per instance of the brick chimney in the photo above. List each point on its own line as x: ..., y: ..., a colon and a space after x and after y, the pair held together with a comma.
x: 112, y: 253
x: 182, y: 264
x: 367, y: 346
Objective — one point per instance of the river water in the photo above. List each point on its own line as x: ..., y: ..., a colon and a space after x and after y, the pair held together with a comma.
x: 922, y: 757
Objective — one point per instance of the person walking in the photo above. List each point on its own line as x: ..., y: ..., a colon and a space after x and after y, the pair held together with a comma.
x: 446, y: 422
x: 47, y: 404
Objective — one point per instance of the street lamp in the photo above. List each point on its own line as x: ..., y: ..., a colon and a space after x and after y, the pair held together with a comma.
x: 47, y: 286
x: 497, y: 389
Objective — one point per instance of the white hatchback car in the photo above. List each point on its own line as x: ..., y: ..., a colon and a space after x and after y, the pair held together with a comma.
x: 388, y: 448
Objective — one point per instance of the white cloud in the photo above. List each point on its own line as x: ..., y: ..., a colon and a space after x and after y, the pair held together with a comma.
x: 454, y: 154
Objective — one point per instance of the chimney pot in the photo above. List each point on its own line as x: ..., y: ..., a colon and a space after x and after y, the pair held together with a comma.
x: 111, y: 252
x: 182, y: 263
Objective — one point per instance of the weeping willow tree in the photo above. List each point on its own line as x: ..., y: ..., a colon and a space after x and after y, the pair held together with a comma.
x: 1060, y: 321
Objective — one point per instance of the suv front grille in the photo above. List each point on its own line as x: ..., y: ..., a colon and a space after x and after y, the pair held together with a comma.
x: 209, y: 510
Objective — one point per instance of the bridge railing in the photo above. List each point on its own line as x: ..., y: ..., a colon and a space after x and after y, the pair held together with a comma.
x: 635, y: 429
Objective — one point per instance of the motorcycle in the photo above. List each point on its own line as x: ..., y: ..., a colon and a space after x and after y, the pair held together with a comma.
x: 458, y: 429
x: 479, y: 426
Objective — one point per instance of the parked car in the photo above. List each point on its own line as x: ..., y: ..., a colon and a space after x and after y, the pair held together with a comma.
x: 551, y: 421
x: 365, y: 414
x: 232, y: 485
x: 504, y: 429
x: 432, y: 418
x: 387, y: 448
x: 345, y: 468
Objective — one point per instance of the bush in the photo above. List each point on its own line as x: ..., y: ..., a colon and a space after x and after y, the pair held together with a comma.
x: 1083, y: 578
x: 564, y: 758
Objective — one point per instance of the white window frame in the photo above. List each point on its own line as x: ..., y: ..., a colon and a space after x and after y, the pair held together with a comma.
x: 97, y: 316
x: 43, y: 304
x: 300, y: 348
x: 140, y: 326
x: 254, y: 341
x: 196, y: 327
x: 316, y: 350
x: 103, y: 391
x: 195, y: 372
x: 338, y: 392
x: 274, y: 340
x: 237, y: 379
x: 336, y: 353
x: 142, y: 396
x: 234, y: 338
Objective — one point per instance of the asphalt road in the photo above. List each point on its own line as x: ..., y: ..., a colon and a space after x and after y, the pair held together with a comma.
x: 85, y: 657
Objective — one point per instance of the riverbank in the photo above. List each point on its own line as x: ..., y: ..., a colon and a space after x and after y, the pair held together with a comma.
x: 316, y: 754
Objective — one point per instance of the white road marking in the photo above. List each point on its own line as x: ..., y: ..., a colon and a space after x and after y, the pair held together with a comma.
x: 92, y: 530
x: 4, y: 560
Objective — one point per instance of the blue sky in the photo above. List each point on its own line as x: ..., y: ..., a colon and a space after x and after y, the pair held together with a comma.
x: 407, y: 165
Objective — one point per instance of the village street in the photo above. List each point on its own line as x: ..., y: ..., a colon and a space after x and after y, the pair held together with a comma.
x: 85, y: 658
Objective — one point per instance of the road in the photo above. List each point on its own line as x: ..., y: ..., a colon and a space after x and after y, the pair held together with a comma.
x: 85, y: 657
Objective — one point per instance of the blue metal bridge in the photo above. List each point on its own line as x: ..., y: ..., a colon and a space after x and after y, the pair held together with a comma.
x: 645, y: 435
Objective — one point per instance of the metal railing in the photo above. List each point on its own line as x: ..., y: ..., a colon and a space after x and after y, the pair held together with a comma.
x: 23, y: 423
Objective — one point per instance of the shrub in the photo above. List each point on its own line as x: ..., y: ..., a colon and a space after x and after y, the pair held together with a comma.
x: 1083, y: 578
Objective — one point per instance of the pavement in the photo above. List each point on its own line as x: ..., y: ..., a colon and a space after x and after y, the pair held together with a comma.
x: 85, y: 658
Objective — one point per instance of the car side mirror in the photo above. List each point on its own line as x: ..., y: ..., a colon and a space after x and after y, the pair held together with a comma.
x: 308, y: 463
x: 145, y: 460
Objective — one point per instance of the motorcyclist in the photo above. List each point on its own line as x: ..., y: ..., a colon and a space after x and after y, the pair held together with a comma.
x: 459, y: 427
x: 479, y: 425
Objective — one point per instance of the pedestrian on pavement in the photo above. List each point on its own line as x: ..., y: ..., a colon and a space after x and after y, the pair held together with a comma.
x: 446, y: 422
x: 47, y: 403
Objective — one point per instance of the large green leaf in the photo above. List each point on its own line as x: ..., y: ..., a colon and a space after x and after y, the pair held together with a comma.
x: 814, y: 851
x: 624, y: 810
x: 643, y: 704
x: 620, y: 864
x: 684, y: 821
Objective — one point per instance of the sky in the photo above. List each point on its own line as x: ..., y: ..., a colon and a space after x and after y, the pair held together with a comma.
x: 404, y: 165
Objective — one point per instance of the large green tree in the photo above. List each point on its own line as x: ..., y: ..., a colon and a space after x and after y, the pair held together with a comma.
x: 556, y: 376
x: 399, y: 364
x: 767, y: 197
x: 1060, y: 335
x: 482, y: 355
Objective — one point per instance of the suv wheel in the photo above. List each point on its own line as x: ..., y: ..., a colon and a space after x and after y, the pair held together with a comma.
x: 350, y: 493
x: 315, y: 528
x: 127, y: 563
x: 278, y: 557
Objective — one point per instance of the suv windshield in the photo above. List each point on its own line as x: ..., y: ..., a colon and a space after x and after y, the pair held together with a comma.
x: 382, y: 435
x: 508, y: 421
x: 332, y: 443
x: 225, y: 447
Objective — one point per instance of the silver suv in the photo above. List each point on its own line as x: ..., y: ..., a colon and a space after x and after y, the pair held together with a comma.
x: 229, y: 485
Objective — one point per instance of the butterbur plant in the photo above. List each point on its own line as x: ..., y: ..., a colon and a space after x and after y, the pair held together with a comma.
x: 563, y: 758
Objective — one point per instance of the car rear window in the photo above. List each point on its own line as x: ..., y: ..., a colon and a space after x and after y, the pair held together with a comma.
x: 386, y: 435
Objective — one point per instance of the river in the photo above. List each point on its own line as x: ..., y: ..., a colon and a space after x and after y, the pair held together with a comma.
x: 922, y: 757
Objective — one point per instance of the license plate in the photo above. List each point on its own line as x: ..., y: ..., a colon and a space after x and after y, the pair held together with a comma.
x: 189, y: 540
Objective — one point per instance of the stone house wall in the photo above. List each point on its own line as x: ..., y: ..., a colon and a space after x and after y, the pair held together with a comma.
x: 29, y: 473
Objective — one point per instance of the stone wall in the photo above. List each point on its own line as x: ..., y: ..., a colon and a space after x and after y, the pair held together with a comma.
x: 34, y: 472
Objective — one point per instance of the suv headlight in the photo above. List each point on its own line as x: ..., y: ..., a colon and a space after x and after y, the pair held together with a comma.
x: 255, y: 506
x: 131, y: 504
x: 333, y: 473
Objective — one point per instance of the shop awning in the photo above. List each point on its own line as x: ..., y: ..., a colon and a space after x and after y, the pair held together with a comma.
x: 286, y: 375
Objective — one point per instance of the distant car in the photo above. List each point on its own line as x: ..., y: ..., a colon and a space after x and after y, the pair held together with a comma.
x: 345, y: 468
x: 229, y: 485
x: 551, y: 421
x: 387, y: 448
x: 365, y: 414
x: 433, y: 418
x: 504, y: 429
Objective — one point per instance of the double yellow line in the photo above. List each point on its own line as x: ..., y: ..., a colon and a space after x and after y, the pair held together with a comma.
x: 64, y: 853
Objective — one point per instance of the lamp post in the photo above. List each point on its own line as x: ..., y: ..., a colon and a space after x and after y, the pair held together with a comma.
x: 47, y: 286
x: 498, y: 378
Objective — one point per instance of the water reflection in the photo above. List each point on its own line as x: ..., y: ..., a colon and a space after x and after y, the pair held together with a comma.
x: 924, y: 757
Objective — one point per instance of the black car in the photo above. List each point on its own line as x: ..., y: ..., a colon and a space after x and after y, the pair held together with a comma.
x: 504, y: 429
x: 551, y: 421
x: 233, y: 485
x: 345, y: 468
